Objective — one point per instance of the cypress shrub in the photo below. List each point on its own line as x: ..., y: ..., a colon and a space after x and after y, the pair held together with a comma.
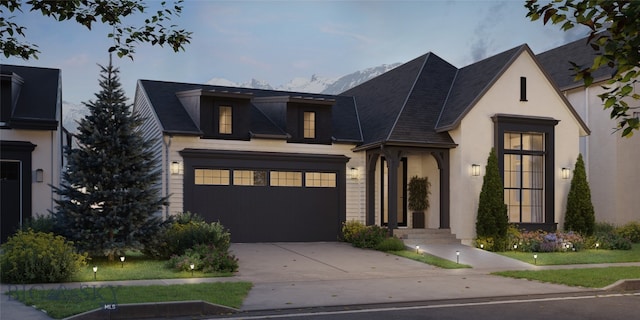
x: 580, y: 216
x: 492, y: 220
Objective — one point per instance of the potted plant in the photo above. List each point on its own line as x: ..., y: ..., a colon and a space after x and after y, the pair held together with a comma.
x: 419, y: 199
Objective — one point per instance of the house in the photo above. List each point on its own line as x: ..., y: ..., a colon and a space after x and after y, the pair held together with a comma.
x: 30, y: 143
x: 611, y: 161
x: 285, y: 166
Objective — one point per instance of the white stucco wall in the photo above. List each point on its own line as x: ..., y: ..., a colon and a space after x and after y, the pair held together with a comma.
x: 47, y: 156
x: 355, y: 193
x: 475, y: 137
x: 612, y: 164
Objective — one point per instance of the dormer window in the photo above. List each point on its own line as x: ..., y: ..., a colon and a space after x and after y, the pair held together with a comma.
x: 225, y: 120
x: 309, y: 124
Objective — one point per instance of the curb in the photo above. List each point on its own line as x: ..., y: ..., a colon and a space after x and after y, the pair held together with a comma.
x: 624, y: 285
x: 155, y: 310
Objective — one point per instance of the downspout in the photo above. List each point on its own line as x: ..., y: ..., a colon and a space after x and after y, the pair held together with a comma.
x: 167, y: 147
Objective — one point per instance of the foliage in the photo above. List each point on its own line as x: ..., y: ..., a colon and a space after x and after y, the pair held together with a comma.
x: 390, y: 244
x: 350, y: 229
x: 579, y: 216
x: 630, y: 231
x: 155, y: 29
x: 184, y: 232
x: 76, y: 301
x: 429, y: 259
x: 589, y: 255
x: 206, y: 258
x: 37, y: 257
x: 419, y: 193
x: 614, y: 38
x: 109, y: 195
x: 492, y: 220
x: 370, y: 237
x: 41, y: 223
x: 608, y: 241
x: 540, y: 241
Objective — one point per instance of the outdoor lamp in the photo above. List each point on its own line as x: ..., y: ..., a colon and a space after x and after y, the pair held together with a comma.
x: 457, y: 257
x: 565, y: 173
x: 515, y: 247
x: 39, y: 175
x: 353, y: 173
x: 176, y: 167
x: 122, y: 261
x: 417, y: 249
x: 95, y: 270
x: 475, y: 170
x: 535, y: 259
x: 482, y: 246
x: 192, y: 266
x: 597, y: 245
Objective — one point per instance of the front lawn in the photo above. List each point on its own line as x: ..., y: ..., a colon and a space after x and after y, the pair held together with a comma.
x: 135, y: 267
x: 429, y: 259
x: 64, y: 302
x: 589, y: 277
x: 590, y: 256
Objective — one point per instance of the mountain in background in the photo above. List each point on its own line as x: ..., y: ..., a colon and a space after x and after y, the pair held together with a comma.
x: 315, y: 84
x: 73, y: 112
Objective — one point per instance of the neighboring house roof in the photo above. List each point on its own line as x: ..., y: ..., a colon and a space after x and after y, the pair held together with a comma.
x: 36, y: 100
x: 557, y: 64
x: 174, y: 119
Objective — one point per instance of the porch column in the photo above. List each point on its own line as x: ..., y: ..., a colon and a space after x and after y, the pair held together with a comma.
x: 442, y: 158
x: 393, y: 161
x: 372, y: 160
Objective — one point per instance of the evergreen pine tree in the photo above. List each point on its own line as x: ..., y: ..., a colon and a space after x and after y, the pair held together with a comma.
x: 580, y: 216
x: 109, y: 194
x: 492, y: 220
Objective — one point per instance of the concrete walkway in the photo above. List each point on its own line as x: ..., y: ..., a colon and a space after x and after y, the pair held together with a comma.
x: 297, y: 275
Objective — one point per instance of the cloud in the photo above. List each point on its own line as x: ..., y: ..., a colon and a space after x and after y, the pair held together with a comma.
x: 335, y: 30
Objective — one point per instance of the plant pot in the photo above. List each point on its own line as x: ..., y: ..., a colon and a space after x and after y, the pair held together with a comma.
x: 418, y: 220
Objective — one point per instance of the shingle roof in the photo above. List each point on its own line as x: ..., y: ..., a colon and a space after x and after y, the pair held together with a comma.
x: 39, y: 104
x: 471, y: 83
x: 175, y: 119
x: 556, y: 63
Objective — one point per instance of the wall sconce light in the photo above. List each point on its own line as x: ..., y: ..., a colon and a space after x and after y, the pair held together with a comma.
x: 475, y: 170
x: 353, y: 173
x: 565, y: 173
x: 177, y: 167
x: 39, y: 175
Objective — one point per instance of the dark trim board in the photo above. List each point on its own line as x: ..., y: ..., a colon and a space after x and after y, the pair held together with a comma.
x: 16, y: 203
x: 267, y: 213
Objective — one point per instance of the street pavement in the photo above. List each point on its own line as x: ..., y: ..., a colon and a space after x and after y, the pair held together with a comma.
x: 301, y: 275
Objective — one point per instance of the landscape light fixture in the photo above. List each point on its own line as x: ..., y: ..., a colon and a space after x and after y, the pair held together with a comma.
x: 95, y: 270
x: 457, y: 257
x: 192, y: 266
x: 475, y: 170
x: 535, y: 259
x: 417, y: 249
x: 597, y: 245
x: 122, y: 261
x: 565, y: 173
x: 482, y: 246
x: 515, y: 247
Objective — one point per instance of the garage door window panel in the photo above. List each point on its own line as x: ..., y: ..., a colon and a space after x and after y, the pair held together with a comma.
x: 249, y: 177
x: 286, y: 179
x: 216, y: 177
x: 320, y: 179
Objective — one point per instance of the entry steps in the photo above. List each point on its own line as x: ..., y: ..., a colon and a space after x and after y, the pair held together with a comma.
x: 426, y: 236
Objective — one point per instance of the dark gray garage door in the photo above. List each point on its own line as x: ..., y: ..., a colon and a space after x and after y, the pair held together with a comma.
x: 267, y: 197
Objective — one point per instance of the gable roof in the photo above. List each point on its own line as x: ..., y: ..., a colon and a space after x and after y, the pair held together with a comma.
x: 174, y: 119
x: 36, y: 96
x: 557, y: 64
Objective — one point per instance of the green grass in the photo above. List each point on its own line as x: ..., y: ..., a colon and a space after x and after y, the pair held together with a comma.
x: 62, y: 303
x: 429, y: 259
x: 589, y: 277
x: 590, y: 256
x: 135, y: 267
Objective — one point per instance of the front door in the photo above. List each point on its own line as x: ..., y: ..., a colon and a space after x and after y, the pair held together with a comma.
x: 402, y: 193
x: 11, y: 213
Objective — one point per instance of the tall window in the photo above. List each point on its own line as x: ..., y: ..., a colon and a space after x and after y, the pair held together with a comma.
x: 524, y: 176
x: 309, y: 125
x: 224, y: 120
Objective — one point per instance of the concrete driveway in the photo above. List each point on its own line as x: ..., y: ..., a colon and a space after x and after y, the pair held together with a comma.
x: 296, y: 275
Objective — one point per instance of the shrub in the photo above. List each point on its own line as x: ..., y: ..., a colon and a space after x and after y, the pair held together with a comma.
x: 350, y: 229
x: 492, y: 220
x: 37, y: 257
x: 579, y: 216
x: 40, y: 223
x: 186, y: 231
x: 206, y: 258
x: 608, y: 241
x: 370, y: 237
x: 630, y: 231
x: 390, y: 244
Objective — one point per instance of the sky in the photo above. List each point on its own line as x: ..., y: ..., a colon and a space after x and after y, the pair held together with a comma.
x: 277, y: 41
